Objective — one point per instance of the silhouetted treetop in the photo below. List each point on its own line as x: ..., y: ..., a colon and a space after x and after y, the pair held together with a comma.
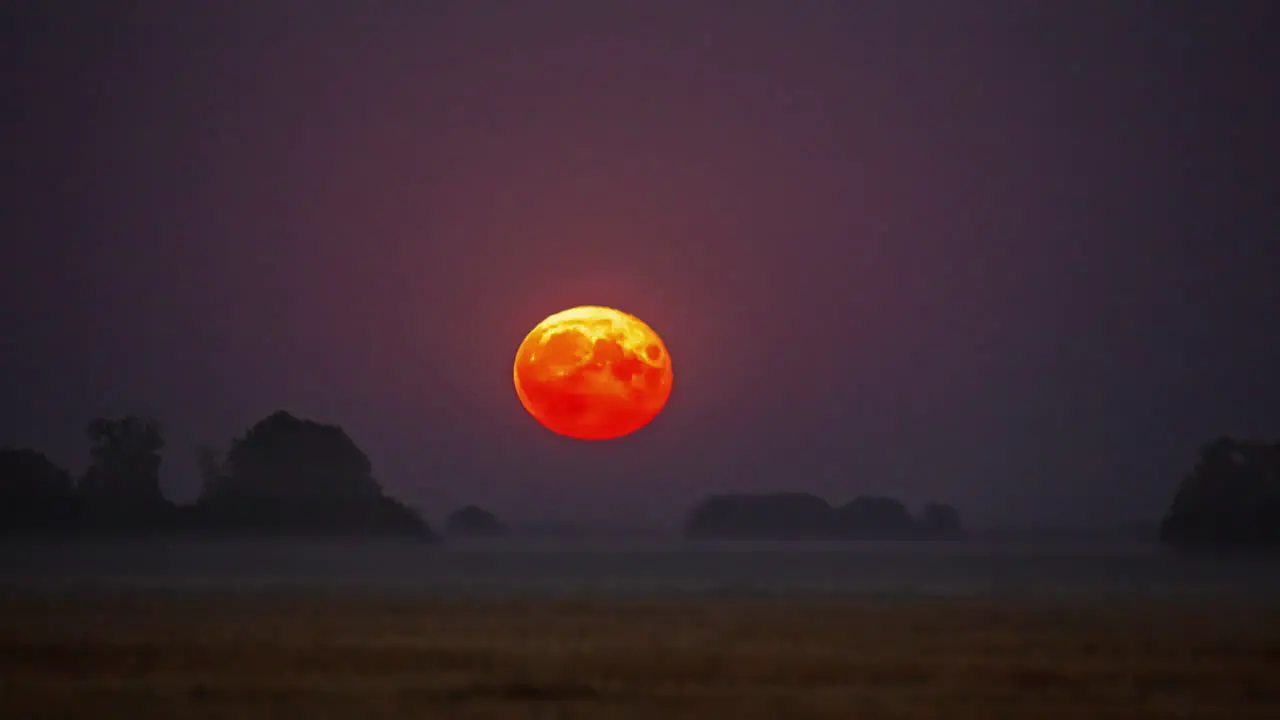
x: 474, y: 521
x: 125, y: 462
x: 285, y: 456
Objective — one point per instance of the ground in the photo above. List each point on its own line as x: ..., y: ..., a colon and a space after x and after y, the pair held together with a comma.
x: 170, y: 654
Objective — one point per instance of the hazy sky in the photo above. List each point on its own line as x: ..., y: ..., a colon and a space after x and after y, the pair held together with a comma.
x: 1011, y: 255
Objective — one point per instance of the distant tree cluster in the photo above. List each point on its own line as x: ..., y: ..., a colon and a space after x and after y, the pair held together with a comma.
x: 801, y: 516
x: 284, y: 476
x: 1231, y: 497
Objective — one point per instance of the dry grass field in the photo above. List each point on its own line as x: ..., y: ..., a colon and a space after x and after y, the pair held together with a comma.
x: 190, y: 656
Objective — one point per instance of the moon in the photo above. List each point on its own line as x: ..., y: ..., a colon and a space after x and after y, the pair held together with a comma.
x: 593, y: 373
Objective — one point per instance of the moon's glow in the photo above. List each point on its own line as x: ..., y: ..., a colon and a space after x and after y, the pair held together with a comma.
x: 593, y: 373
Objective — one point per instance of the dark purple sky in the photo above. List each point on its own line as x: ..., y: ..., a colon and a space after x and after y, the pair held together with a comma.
x: 1011, y: 255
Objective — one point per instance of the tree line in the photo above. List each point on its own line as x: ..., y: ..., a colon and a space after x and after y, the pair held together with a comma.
x: 802, y: 516
x: 285, y: 475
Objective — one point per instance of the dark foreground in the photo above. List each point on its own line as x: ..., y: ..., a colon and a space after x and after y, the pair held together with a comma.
x: 171, y: 654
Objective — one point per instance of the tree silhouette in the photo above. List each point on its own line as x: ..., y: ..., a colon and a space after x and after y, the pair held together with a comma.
x: 768, y: 516
x: 212, y: 470
x: 125, y: 463
x: 35, y: 494
x: 474, y: 521
x: 283, y: 456
x: 284, y: 476
x: 1231, y: 497
x: 878, y: 517
x: 940, y: 520
x: 287, y: 475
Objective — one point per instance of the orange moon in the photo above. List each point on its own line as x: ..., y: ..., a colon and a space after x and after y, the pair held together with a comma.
x: 593, y: 373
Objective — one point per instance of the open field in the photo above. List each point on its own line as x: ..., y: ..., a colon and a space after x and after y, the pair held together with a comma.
x: 171, y: 654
